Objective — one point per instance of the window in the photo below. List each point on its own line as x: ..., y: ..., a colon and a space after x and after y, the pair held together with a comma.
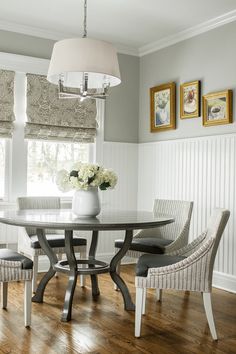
x: 29, y: 166
x: 45, y: 159
x: 2, y: 167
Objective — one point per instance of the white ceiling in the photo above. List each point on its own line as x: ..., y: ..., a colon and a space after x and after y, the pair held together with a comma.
x: 134, y: 24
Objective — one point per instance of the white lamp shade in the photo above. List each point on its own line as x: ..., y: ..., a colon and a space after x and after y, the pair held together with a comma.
x: 73, y: 57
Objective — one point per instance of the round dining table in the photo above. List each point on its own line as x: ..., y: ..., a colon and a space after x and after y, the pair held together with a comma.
x: 64, y: 219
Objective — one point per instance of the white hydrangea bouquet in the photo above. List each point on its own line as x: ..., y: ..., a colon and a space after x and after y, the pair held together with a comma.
x: 85, y: 175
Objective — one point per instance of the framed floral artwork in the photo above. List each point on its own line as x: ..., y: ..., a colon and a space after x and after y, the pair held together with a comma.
x: 162, y: 107
x: 190, y: 99
x: 217, y: 108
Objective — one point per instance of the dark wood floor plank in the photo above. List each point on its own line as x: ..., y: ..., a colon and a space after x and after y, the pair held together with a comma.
x: 177, y: 325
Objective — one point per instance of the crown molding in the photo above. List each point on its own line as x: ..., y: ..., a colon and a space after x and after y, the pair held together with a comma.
x: 188, y: 33
x: 144, y: 50
x: 31, y: 31
x: 54, y: 35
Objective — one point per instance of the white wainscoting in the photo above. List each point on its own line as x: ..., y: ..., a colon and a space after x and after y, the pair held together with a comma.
x: 198, y: 169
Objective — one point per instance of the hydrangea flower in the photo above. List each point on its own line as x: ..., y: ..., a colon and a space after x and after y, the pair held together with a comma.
x: 84, y: 176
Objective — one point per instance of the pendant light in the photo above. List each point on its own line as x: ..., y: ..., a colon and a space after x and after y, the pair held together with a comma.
x: 84, y: 67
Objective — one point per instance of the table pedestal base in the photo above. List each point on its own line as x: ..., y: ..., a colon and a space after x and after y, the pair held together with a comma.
x: 71, y: 267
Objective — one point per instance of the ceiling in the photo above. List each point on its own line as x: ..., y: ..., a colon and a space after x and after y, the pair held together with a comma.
x: 134, y: 25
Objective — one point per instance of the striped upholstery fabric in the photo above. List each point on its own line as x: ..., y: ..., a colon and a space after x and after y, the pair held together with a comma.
x: 177, y: 231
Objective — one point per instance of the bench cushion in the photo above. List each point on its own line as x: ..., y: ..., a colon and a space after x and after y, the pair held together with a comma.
x: 56, y: 240
x: 12, y: 256
x: 146, y: 244
x: 147, y: 261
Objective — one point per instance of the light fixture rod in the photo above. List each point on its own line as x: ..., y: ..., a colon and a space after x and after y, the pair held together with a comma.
x: 85, y: 19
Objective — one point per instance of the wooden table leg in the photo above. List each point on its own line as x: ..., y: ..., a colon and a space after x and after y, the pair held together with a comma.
x: 67, y: 308
x: 92, y: 252
x: 128, y: 303
x: 38, y: 297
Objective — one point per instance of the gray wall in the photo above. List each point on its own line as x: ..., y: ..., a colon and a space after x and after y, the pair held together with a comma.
x: 122, y: 110
x: 209, y: 57
x: 122, y: 106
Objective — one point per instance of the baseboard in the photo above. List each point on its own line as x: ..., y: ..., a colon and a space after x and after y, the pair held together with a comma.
x: 224, y: 281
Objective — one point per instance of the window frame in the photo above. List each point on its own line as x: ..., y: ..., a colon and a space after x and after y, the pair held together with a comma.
x: 16, y: 148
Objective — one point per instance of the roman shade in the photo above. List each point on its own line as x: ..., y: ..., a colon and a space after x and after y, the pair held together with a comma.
x: 7, y: 116
x: 51, y: 118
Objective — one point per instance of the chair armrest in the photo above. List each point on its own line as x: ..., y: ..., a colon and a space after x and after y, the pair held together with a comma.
x: 185, y: 263
x: 153, y: 232
x: 9, y: 264
x: 190, y: 248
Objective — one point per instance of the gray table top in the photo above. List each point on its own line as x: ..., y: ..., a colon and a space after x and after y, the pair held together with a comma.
x: 66, y: 220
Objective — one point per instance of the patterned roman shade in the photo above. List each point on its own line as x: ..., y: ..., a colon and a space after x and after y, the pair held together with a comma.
x: 51, y: 118
x: 7, y: 116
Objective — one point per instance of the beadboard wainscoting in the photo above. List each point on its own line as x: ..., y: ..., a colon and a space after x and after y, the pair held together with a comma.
x: 198, y: 169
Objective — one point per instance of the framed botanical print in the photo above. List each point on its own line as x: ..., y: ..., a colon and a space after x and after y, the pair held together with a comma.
x: 217, y: 108
x: 162, y: 107
x: 190, y: 99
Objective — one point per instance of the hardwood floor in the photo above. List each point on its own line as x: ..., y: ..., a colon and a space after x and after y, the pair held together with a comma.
x: 177, y: 325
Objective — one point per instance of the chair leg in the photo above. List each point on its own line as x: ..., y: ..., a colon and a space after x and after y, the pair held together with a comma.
x: 4, y: 290
x: 83, y: 255
x: 159, y: 294
x: 138, y: 311
x: 35, y: 273
x: 209, y: 314
x: 144, y: 301
x: 27, y: 302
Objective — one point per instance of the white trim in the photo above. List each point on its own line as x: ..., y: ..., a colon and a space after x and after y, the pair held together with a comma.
x: 32, y: 31
x: 100, y: 131
x: 23, y: 63
x: 55, y: 35
x: 144, y: 50
x: 194, y: 138
x: 188, y: 33
x: 224, y: 281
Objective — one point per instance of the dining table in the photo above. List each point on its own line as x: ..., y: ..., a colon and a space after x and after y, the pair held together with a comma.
x: 64, y: 219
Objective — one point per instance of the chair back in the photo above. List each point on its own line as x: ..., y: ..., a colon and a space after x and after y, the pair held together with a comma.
x: 215, y: 229
x: 38, y: 203
x: 181, y: 211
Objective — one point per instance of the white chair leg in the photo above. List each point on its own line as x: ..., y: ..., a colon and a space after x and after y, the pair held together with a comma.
x: 159, y: 294
x: 4, y: 288
x: 83, y: 255
x: 144, y: 301
x: 35, y: 272
x: 27, y: 302
x: 138, y: 311
x: 59, y: 257
x: 209, y: 314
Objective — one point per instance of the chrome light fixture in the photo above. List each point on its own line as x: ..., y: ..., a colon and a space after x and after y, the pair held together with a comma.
x: 84, y: 67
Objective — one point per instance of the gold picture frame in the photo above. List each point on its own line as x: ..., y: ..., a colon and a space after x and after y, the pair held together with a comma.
x: 217, y: 108
x: 190, y: 94
x: 162, y: 107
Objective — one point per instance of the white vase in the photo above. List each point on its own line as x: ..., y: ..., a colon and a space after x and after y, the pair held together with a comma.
x: 86, y: 203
